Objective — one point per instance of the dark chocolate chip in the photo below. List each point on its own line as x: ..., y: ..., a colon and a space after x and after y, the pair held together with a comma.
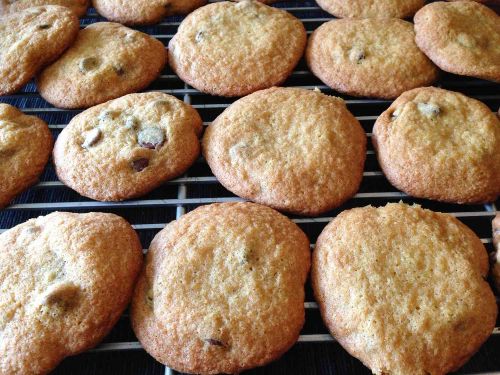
x: 215, y: 342
x: 140, y: 164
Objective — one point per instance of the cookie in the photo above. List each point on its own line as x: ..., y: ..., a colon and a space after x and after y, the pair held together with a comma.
x: 371, y: 8
x: 369, y: 57
x: 295, y: 150
x: 402, y: 288
x: 79, y: 7
x: 234, y: 49
x: 495, y: 269
x: 65, y: 279
x: 25, y: 147
x: 222, y: 290
x: 31, y: 39
x: 108, y: 60
x: 460, y: 37
x: 438, y: 144
x: 144, y: 12
x: 128, y: 146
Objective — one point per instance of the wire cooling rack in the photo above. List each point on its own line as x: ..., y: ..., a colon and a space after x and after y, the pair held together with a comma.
x: 316, y: 352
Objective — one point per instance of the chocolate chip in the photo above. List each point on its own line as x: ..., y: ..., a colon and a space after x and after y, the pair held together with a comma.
x: 199, y: 36
x: 139, y: 164
x: 396, y: 113
x: 430, y: 110
x: 92, y: 138
x: 151, y: 137
x: 87, y: 64
x: 62, y: 293
x: 131, y: 123
x: 357, y: 55
x: 215, y: 342
x: 44, y: 26
x: 118, y: 70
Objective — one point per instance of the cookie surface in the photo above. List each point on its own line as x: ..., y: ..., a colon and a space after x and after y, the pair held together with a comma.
x: 29, y: 40
x: 371, y: 8
x: 79, y: 7
x: 223, y: 289
x: 292, y: 149
x: 65, y: 279
x: 495, y: 270
x: 233, y: 49
x: 401, y: 288
x: 144, y: 12
x: 106, y: 61
x: 438, y: 144
x: 128, y: 146
x: 461, y: 37
x: 369, y: 57
x: 25, y: 147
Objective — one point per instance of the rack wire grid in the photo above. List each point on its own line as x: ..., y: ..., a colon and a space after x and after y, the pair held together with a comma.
x: 316, y: 351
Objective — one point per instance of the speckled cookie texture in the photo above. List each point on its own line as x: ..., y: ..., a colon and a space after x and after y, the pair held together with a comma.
x: 369, y: 57
x: 65, y: 279
x: 371, y: 8
x: 144, y: 12
x: 233, y: 49
x: 439, y: 144
x: 402, y: 288
x: 128, y: 146
x: 495, y: 270
x: 79, y: 7
x: 461, y: 37
x: 108, y: 60
x: 296, y: 150
x: 223, y: 289
x: 25, y: 147
x: 31, y: 39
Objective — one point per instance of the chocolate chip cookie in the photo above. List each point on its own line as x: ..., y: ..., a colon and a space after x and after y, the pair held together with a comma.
x: 128, y: 146
x: 233, y: 49
x: 144, y: 12
x: 31, y: 39
x: 79, y: 7
x: 369, y: 57
x: 65, y: 279
x: 371, y: 8
x: 461, y: 37
x: 402, y: 288
x: 108, y: 60
x: 438, y: 144
x: 25, y: 146
x: 223, y: 289
x: 295, y: 150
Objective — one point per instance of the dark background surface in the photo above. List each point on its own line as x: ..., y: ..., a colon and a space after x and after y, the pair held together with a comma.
x: 163, y: 205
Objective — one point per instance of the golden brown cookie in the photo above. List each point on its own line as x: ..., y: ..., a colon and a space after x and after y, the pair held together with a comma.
x: 234, y: 49
x: 438, y: 144
x: 402, y: 288
x: 495, y: 270
x: 369, y: 57
x: 65, y: 279
x: 295, y: 150
x: 461, y: 37
x: 128, y: 146
x: 31, y: 39
x: 371, y: 8
x: 144, y: 12
x: 108, y: 60
x: 223, y: 289
x: 79, y: 7
x: 25, y: 147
